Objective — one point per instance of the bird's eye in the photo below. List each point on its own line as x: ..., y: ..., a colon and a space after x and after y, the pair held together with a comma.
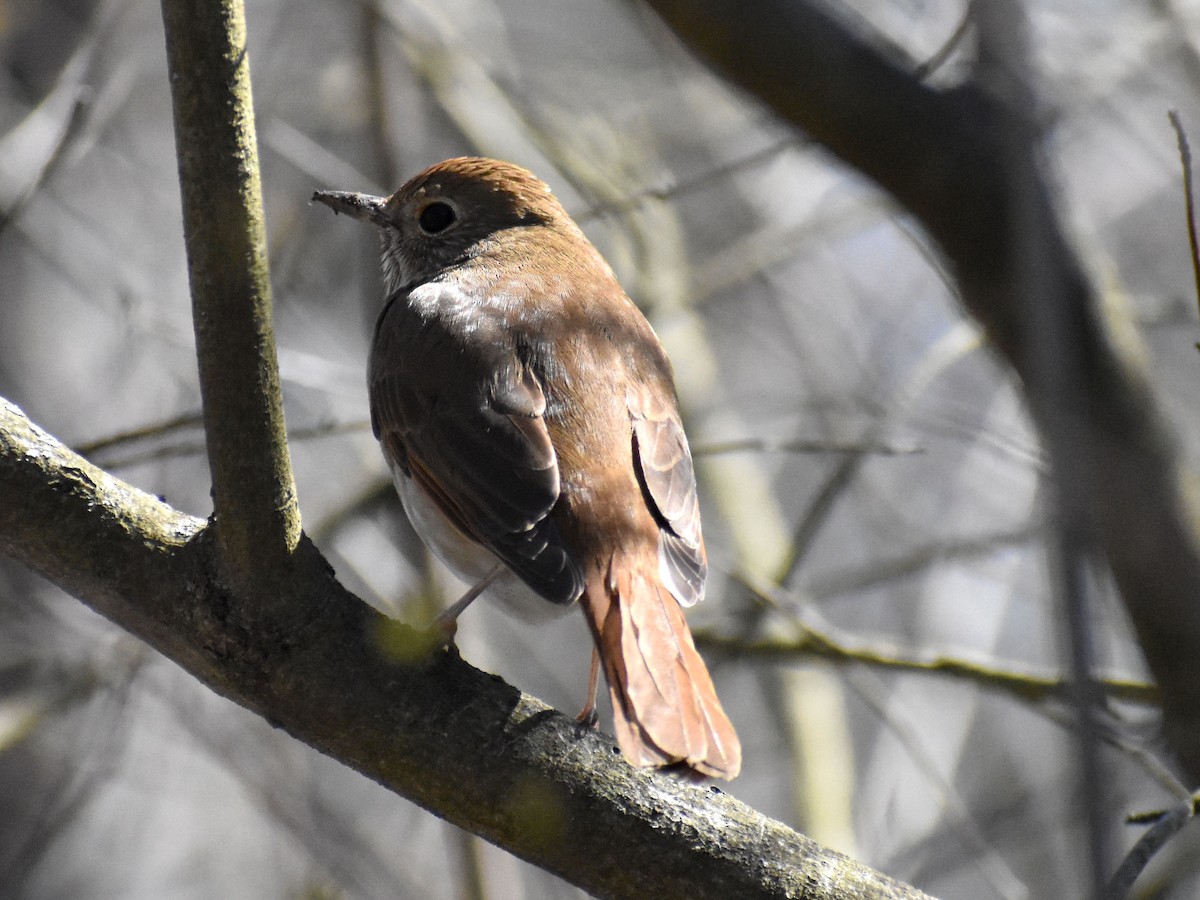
x: 436, y: 217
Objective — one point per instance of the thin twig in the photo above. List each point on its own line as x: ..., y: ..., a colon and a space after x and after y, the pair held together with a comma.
x: 986, y: 859
x: 194, y: 448
x: 763, y: 445
x: 375, y: 94
x: 1185, y: 159
x: 1166, y: 825
x: 821, y: 640
x: 1030, y: 686
x: 684, y: 186
x: 943, y: 53
x: 193, y: 419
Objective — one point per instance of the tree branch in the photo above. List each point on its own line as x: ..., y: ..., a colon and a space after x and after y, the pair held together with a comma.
x: 1028, y: 686
x: 459, y: 742
x: 943, y: 156
x: 254, y: 496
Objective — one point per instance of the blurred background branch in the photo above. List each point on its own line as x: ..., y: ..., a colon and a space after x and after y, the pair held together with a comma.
x: 944, y: 157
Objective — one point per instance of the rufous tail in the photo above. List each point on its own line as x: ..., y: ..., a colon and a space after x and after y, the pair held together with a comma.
x: 665, y: 708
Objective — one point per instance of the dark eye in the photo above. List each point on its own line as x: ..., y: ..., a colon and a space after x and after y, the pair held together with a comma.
x: 437, y: 216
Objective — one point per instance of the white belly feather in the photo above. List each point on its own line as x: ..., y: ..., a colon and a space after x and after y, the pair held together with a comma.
x: 469, y: 561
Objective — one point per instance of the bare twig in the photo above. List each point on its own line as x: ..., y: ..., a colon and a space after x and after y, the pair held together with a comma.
x: 943, y: 53
x: 985, y: 858
x: 143, y: 432
x: 194, y: 448
x: 763, y: 445
x: 820, y: 640
x: 1030, y: 686
x: 1185, y: 159
x: 386, y: 168
x: 1166, y: 824
x: 684, y: 186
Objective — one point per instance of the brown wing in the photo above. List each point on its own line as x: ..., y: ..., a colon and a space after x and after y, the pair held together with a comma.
x: 457, y: 409
x: 669, y: 479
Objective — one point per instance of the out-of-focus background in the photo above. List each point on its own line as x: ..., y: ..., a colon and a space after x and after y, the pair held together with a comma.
x: 868, y: 471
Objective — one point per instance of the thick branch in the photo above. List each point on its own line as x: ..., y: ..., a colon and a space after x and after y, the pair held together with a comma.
x: 943, y: 156
x: 258, y: 521
x: 460, y: 743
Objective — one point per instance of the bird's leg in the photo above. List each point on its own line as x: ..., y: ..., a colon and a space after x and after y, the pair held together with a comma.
x: 588, y: 715
x: 447, y: 623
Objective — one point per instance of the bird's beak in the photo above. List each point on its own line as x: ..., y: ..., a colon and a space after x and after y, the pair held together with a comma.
x: 359, y: 206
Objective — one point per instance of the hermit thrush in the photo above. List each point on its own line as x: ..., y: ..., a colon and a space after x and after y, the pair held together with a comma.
x: 528, y: 414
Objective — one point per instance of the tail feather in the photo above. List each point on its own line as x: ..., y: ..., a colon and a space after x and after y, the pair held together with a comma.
x: 665, y: 707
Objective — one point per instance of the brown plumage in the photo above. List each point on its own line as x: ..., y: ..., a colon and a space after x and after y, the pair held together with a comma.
x: 528, y: 413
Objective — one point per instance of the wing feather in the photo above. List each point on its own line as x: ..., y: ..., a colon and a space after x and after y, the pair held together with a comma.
x: 665, y: 469
x: 471, y: 434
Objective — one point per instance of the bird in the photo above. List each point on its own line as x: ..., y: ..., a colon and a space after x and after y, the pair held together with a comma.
x: 528, y: 414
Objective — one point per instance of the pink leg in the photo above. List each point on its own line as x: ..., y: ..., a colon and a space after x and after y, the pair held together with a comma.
x: 447, y: 623
x: 588, y: 715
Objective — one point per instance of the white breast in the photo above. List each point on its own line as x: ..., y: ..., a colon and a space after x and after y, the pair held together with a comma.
x: 469, y: 561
